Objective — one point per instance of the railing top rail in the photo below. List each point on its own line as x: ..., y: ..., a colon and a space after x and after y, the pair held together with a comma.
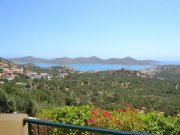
x: 82, y: 128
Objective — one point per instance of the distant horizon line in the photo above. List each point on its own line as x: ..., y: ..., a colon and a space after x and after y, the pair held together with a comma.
x: 40, y: 57
x: 75, y: 57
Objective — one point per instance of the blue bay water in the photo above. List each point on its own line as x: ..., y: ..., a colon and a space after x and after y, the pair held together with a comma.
x: 92, y: 67
x: 103, y: 67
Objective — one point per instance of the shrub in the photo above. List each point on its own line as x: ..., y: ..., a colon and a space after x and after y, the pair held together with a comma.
x: 120, y: 119
x: 157, y: 123
x: 67, y: 115
x: 7, y: 104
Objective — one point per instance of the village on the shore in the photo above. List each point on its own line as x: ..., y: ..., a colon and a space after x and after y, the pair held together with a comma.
x: 9, y: 72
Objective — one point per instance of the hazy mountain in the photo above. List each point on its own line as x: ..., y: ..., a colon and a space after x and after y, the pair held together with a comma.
x: 62, y: 60
x: 88, y: 60
x: 28, y: 59
x: 3, y: 60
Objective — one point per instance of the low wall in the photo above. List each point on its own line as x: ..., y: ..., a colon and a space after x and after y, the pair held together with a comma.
x: 12, y: 124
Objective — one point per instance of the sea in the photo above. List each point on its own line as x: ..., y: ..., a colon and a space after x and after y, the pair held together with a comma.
x: 91, y: 67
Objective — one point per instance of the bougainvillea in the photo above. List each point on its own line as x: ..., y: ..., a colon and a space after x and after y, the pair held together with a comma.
x: 120, y: 119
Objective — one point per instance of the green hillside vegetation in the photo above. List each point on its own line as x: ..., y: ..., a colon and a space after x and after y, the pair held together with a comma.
x: 115, y: 99
x: 171, y: 72
x: 9, y: 63
x: 105, y: 89
x: 34, y: 68
x: 54, y: 71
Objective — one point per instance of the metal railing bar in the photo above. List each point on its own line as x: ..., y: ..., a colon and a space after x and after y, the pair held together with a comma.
x: 47, y: 130
x: 38, y: 130
x: 59, y: 131
x: 82, y: 128
x: 29, y: 129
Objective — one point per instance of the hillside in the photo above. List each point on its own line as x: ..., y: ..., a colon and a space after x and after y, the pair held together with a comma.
x: 170, y: 72
x: 34, y: 88
x: 89, y: 60
x: 105, y: 89
x: 28, y: 59
x: 5, y: 61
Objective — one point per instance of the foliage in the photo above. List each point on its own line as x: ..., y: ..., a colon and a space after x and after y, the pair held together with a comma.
x: 6, y: 103
x: 67, y: 115
x: 1, y: 70
x: 120, y: 119
x: 103, y: 89
x: 157, y: 123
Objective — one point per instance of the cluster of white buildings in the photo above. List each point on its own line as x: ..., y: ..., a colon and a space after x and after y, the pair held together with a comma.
x: 9, y: 73
x: 35, y: 75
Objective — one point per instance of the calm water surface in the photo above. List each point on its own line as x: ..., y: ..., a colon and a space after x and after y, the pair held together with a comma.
x: 92, y: 67
x: 102, y: 67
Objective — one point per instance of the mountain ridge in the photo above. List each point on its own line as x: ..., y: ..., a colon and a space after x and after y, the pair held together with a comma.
x: 86, y: 60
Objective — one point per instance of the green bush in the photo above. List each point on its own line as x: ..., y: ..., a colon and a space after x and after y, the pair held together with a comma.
x: 120, y: 119
x: 67, y: 115
x: 7, y: 104
x: 157, y: 123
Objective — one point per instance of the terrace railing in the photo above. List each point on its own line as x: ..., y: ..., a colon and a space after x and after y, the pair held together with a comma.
x: 41, y: 127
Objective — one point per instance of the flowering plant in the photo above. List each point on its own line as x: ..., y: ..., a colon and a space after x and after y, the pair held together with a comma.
x: 120, y: 119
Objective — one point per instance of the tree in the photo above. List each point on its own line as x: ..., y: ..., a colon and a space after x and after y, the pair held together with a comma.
x: 7, y: 105
x: 1, y: 70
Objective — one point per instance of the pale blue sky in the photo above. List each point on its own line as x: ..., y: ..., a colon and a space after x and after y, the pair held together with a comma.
x: 143, y: 29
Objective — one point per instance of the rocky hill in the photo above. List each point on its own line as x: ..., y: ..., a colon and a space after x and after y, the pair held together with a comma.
x: 28, y: 59
x: 171, y: 72
x: 88, y: 60
x: 7, y: 62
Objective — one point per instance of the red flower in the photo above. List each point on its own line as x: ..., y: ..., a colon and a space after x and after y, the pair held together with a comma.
x: 127, y: 106
x: 117, y: 122
x: 122, y: 110
x: 88, y: 120
x: 91, y: 120
x: 116, y: 110
x: 106, y: 115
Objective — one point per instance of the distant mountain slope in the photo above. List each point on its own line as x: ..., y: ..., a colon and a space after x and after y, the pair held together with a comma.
x: 171, y: 72
x: 89, y: 60
x: 28, y: 59
x: 9, y: 63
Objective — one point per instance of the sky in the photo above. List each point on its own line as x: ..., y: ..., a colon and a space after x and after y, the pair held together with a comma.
x: 142, y: 29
